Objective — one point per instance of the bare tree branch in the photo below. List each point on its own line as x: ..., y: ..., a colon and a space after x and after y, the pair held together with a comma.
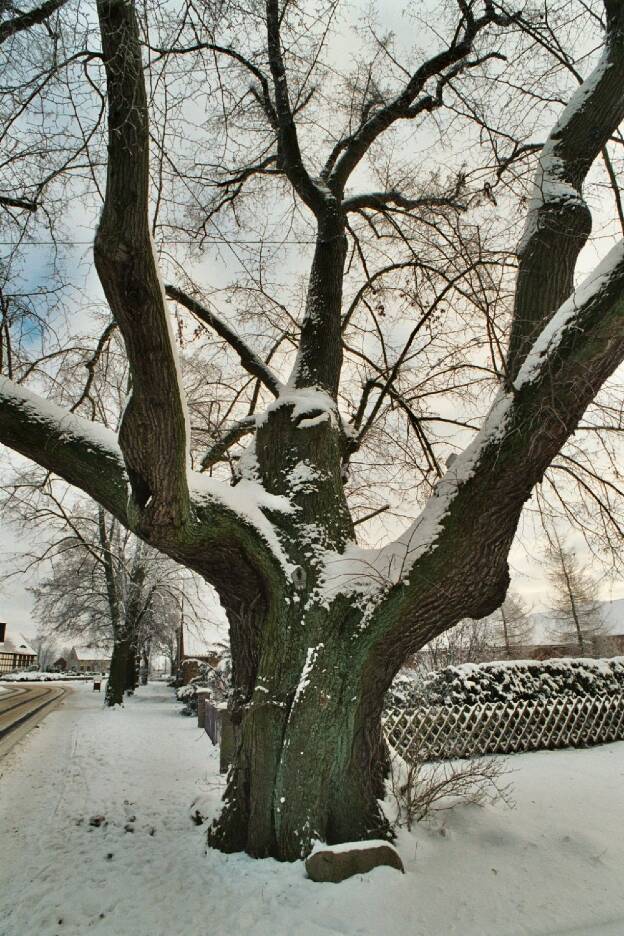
x: 483, y: 492
x: 32, y: 18
x: 559, y: 221
x: 248, y: 358
x: 288, y: 140
x: 24, y: 203
x: 92, y: 364
x: 379, y: 201
x: 84, y: 454
x: 445, y: 65
x: 153, y: 431
x: 229, y: 438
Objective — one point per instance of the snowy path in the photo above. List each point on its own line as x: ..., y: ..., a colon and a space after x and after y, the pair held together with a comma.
x: 553, y: 865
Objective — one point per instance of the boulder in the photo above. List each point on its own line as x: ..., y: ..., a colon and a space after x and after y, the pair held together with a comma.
x: 335, y: 863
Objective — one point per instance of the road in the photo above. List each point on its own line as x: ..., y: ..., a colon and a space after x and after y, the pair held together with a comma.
x: 22, y: 707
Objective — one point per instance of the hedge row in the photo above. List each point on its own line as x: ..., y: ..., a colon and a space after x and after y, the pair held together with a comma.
x: 471, y: 683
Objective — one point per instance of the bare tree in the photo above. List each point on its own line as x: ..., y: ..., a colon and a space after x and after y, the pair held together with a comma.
x: 499, y: 635
x: 512, y: 629
x: 575, y: 611
x: 318, y: 624
x: 98, y: 582
x: 46, y: 648
x: 469, y: 641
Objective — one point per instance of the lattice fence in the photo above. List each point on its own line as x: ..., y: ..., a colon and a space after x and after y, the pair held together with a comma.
x: 435, y: 732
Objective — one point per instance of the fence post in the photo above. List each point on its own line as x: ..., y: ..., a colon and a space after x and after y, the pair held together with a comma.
x: 203, y: 696
x: 226, y: 748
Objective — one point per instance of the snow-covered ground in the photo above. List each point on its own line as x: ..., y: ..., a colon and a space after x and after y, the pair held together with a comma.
x: 552, y: 865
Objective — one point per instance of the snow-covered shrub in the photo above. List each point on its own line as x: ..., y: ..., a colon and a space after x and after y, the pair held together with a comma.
x: 28, y: 676
x: 407, y: 689
x: 217, y: 679
x: 188, y: 695
x: 184, y: 693
x: 508, y: 681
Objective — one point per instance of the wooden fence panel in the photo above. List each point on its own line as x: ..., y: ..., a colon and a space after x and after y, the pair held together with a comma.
x: 212, y: 722
x: 436, y: 732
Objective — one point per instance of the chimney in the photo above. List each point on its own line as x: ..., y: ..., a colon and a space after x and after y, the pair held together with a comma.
x: 2, y: 631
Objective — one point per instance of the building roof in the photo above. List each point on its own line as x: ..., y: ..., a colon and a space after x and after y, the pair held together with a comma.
x: 86, y: 654
x: 17, y: 644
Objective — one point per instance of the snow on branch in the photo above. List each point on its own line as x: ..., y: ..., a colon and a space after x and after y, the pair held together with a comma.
x: 310, y: 405
x: 590, y: 320
x: 558, y: 220
x: 84, y: 453
x: 558, y: 177
x: 65, y: 425
x: 568, y: 316
x: 370, y: 573
x: 87, y: 455
x: 249, y: 502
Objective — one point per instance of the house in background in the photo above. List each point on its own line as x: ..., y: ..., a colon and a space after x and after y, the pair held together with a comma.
x: 15, y: 652
x: 541, y: 643
x: 196, y: 646
x: 610, y: 643
x: 88, y: 660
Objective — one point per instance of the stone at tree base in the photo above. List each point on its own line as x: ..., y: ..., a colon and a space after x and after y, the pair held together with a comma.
x: 335, y: 863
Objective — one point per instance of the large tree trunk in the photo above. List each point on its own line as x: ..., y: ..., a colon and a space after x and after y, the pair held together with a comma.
x: 131, y: 678
x: 145, y: 664
x: 306, y: 707
x: 309, y: 760
x: 310, y: 671
x: 116, y: 685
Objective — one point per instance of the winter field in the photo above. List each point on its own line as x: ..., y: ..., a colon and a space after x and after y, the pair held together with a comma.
x: 551, y: 865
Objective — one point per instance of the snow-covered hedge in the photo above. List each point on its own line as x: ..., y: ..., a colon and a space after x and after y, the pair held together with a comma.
x: 510, y: 680
x: 25, y: 676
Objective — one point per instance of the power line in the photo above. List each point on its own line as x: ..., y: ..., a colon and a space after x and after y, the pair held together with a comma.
x: 209, y: 240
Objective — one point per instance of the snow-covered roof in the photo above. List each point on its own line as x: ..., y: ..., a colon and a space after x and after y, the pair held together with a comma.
x: 17, y: 644
x: 91, y: 653
x: 203, y: 639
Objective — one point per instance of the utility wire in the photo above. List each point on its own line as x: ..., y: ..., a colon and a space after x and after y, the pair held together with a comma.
x: 188, y: 243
